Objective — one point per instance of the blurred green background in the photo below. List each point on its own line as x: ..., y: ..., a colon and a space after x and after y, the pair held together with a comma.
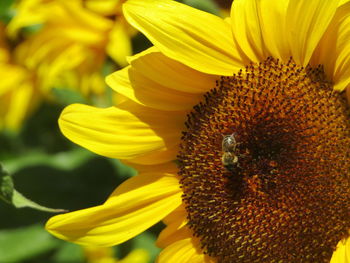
x: 53, y: 172
x: 50, y: 170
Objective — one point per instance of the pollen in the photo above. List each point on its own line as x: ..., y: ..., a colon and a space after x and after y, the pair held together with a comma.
x: 286, y: 198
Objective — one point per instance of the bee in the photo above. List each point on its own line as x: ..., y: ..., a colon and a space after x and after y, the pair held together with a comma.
x: 229, y: 158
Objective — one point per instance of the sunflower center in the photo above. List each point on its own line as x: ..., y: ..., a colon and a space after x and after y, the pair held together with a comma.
x: 264, y: 166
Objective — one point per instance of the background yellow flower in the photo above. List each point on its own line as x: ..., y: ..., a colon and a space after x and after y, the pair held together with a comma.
x: 74, y: 41
x: 18, y: 94
x: 58, y: 46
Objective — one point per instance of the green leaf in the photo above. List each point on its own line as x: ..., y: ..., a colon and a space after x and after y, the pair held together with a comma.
x: 24, y: 243
x: 9, y: 194
x: 20, y: 201
x: 6, y: 185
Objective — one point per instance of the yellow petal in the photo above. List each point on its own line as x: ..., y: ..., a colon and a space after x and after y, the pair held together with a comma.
x: 105, y: 8
x: 11, y: 77
x: 169, y: 167
x: 184, y: 251
x: 29, y: 12
x: 66, y: 14
x: 342, y: 252
x: 173, y: 233
x: 17, y: 104
x: 21, y: 105
x: 61, y: 61
x: 119, y: 44
x: 176, y: 227
x: 179, y: 213
x: 341, y: 2
x: 137, y: 204
x: 174, y: 77
x: 171, y: 180
x: 142, y: 53
x: 125, y: 132
x: 17, y: 95
x: 176, y: 87
x: 333, y: 51
x: 195, y: 38
x: 254, y: 26
x: 306, y: 23
x: 142, y: 89
x: 50, y: 69
x: 157, y: 157
x: 74, y: 13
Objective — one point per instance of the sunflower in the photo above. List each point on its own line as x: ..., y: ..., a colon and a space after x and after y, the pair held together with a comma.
x: 18, y: 94
x: 75, y: 37
x: 239, y: 128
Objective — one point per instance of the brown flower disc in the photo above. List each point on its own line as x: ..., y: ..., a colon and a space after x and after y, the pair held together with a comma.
x: 288, y: 197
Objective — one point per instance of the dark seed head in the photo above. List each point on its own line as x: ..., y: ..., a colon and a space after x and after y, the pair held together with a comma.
x: 288, y: 197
